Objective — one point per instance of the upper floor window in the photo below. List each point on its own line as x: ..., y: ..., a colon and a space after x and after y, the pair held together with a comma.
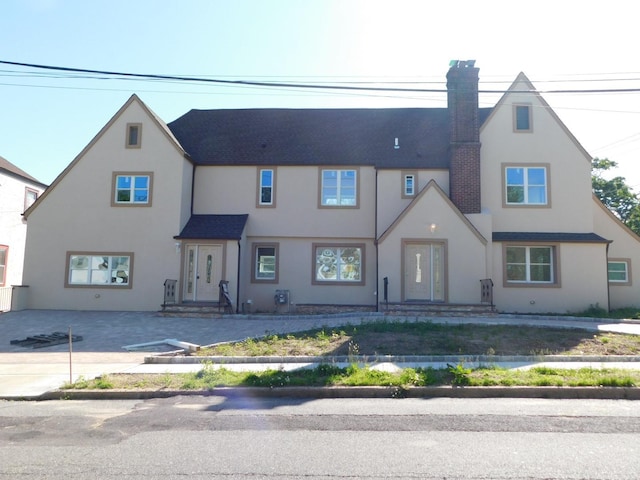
x: 339, y: 188
x: 525, y: 185
x: 134, y: 135
x: 130, y: 189
x: 522, y: 118
x: 4, y: 251
x: 99, y: 270
x: 409, y: 181
x: 618, y: 271
x: 265, y: 261
x: 338, y: 263
x: 530, y: 264
x: 266, y: 187
x: 30, y: 196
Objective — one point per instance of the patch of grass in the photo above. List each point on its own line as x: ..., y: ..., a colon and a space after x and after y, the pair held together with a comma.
x: 355, y: 375
x: 427, y: 338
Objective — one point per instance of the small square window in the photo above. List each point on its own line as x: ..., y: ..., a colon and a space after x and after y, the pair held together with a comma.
x: 525, y: 185
x: 130, y: 189
x: 134, y: 135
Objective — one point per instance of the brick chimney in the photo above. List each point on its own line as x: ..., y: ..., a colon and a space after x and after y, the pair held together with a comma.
x: 464, y: 147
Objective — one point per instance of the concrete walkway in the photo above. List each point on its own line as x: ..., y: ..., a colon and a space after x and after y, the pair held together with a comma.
x: 29, y: 372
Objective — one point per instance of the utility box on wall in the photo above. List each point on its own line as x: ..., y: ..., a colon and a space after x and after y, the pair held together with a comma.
x: 281, y: 299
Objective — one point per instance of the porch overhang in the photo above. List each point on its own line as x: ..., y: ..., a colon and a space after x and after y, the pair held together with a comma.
x: 214, y: 227
x: 556, y: 237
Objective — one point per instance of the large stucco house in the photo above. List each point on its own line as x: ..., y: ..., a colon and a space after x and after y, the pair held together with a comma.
x: 333, y: 209
x: 18, y: 191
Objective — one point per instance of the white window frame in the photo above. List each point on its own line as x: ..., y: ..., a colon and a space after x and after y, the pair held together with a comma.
x: 627, y: 271
x: 409, y: 184
x: 526, y: 185
x: 340, y: 198
x: 330, y: 267
x: 262, y: 185
x: 528, y: 265
x: 133, y: 176
x: 260, y: 273
x: 103, y: 270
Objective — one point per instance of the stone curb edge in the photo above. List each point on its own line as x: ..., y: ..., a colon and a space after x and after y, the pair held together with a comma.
x: 591, y: 393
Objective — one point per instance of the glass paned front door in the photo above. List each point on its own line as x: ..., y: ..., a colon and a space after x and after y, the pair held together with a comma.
x: 203, y: 272
x: 424, y: 272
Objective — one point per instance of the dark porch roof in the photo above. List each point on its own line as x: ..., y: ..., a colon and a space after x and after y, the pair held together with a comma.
x: 318, y: 136
x: 215, y: 227
x: 548, y: 237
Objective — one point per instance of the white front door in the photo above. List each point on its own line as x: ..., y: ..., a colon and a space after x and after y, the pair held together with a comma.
x: 424, y: 272
x: 203, y: 272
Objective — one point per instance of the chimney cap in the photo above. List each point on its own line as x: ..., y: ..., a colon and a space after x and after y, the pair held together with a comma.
x: 462, y: 63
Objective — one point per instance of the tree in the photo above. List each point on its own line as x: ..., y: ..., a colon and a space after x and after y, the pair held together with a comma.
x: 615, y: 194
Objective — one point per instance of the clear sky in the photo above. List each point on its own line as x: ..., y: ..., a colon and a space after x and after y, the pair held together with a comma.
x: 47, y: 118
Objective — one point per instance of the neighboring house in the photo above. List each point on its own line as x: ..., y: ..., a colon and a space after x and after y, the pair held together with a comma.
x: 333, y: 209
x: 18, y: 191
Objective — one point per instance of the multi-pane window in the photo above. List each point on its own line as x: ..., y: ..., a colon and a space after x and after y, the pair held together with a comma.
x: 618, y: 271
x: 532, y: 264
x: 99, y: 270
x: 266, y: 187
x: 265, y: 262
x: 3, y: 264
x: 409, y: 185
x: 339, y: 188
x: 526, y: 185
x: 522, y: 118
x: 338, y: 264
x: 132, y: 189
x: 134, y: 135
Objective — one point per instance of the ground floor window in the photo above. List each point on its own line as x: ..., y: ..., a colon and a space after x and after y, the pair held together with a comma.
x: 338, y: 264
x: 530, y: 264
x: 99, y: 270
x: 265, y: 261
x: 618, y: 271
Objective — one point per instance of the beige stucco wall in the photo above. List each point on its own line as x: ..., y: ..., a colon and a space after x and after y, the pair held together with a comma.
x: 466, y: 249
x: 76, y: 215
x: 581, y: 268
x: 390, y: 192
x: 569, y: 174
x: 625, y: 245
x: 13, y: 229
x: 296, y: 273
x: 233, y: 190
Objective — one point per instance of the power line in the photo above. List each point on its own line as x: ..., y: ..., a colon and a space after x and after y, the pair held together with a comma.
x: 221, y: 81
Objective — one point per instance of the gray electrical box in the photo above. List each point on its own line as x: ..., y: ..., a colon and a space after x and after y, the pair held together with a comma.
x: 282, y: 297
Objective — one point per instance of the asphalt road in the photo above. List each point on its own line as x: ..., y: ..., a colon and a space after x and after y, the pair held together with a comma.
x: 217, y: 437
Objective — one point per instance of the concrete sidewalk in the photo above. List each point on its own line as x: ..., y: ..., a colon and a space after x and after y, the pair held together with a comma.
x: 29, y: 373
